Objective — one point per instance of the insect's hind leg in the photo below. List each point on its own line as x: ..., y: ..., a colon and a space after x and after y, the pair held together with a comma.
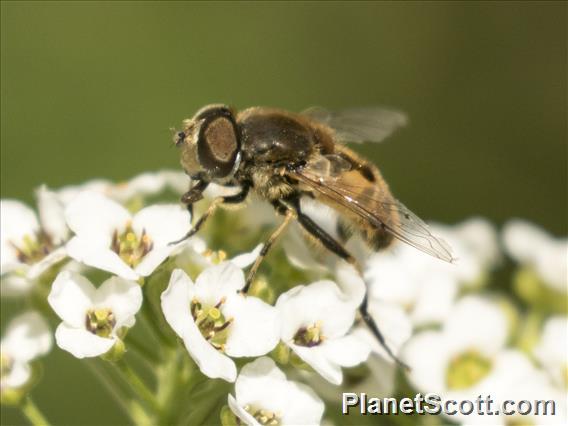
x: 332, y: 245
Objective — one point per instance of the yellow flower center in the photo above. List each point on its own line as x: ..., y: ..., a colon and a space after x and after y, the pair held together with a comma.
x: 466, y: 370
x: 34, y: 247
x: 264, y: 417
x: 100, y: 322
x: 130, y: 247
x: 215, y: 257
x: 211, y: 323
x: 309, y: 336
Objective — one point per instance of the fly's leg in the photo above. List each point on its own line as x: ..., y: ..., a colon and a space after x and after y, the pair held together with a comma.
x: 288, y: 216
x: 332, y: 245
x: 196, y: 193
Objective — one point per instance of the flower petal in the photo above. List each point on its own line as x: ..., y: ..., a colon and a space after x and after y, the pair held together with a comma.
x: 255, y: 329
x: 320, y: 301
x: 95, y: 216
x: 47, y: 262
x: 347, y: 351
x: 427, y: 355
x: 16, y: 221
x: 80, y: 342
x: 84, y: 250
x: 317, y: 358
x: 141, y: 185
x: 477, y: 322
x: 52, y: 215
x: 247, y: 259
x: 70, y: 297
x: 176, y: 302
x: 211, y: 362
x: 27, y: 337
x: 219, y: 281
x: 18, y: 376
x: 240, y: 412
x: 263, y: 385
x: 304, y: 406
x: 436, y: 299
x: 122, y: 297
x: 176, y: 309
x: 153, y: 259
x: 162, y: 223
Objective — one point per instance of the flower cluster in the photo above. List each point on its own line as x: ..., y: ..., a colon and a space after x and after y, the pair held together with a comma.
x: 100, y: 258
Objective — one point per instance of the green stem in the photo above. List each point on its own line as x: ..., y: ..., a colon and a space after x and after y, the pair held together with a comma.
x: 142, y: 350
x: 151, y: 322
x: 33, y: 413
x: 137, y: 385
x: 113, y: 388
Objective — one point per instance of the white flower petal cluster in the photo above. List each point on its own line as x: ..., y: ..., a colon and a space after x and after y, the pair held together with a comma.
x: 552, y: 350
x: 264, y: 396
x: 143, y: 185
x: 316, y: 324
x: 216, y: 321
x: 468, y: 357
x: 28, y: 245
x: 393, y: 322
x: 427, y: 287
x: 197, y: 254
x: 532, y: 246
x: 92, y: 317
x: 108, y: 237
x: 26, y: 338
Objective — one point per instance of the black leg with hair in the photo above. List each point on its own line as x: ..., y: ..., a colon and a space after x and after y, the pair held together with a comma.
x: 196, y: 193
x: 332, y: 245
x: 288, y: 216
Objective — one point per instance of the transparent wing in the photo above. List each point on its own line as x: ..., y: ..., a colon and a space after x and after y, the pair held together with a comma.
x: 360, y: 124
x: 389, y: 214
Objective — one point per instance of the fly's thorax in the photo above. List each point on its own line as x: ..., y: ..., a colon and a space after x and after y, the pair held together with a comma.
x: 211, y: 144
x: 276, y: 137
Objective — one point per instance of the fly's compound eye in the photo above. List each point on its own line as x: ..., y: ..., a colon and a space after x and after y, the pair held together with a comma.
x: 218, y: 144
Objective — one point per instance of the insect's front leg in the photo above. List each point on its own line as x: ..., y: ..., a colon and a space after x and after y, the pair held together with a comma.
x: 192, y: 196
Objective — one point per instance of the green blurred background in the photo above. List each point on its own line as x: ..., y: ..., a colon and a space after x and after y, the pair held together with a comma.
x: 92, y: 89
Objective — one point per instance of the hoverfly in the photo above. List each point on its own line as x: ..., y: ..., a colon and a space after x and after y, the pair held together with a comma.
x: 284, y: 156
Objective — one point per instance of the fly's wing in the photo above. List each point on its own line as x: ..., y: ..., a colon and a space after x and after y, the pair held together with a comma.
x: 359, y: 124
x: 372, y: 205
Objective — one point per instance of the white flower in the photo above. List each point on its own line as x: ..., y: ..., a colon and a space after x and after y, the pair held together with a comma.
x: 26, y: 338
x: 215, y: 320
x: 468, y: 357
x: 427, y: 287
x: 109, y: 238
x: 531, y: 245
x: 30, y: 246
x: 143, y: 185
x: 92, y: 317
x: 196, y: 254
x: 316, y: 320
x: 149, y: 184
x: 393, y: 322
x: 263, y: 395
x: 552, y: 350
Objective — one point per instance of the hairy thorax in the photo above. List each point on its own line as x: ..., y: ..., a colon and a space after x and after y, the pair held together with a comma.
x: 270, y: 184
